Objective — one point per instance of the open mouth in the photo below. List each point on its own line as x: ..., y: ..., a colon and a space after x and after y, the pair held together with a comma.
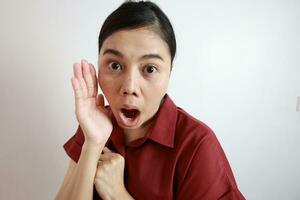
x: 130, y: 113
x: 129, y: 117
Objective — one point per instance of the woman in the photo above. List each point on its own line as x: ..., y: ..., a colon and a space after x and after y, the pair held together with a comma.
x: 141, y: 146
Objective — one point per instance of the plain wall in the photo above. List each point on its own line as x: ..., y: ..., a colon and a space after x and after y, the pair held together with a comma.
x: 236, y: 69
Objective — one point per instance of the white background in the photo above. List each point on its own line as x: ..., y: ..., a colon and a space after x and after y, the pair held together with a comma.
x: 237, y: 69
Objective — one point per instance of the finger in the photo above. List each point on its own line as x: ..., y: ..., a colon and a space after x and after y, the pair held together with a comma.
x: 100, y: 163
x: 78, y: 74
x: 100, y: 100
x: 88, y: 79
x: 106, y: 156
x: 106, y: 150
x: 94, y: 77
x: 76, y: 88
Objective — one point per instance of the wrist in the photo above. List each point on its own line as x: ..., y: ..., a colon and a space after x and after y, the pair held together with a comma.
x: 90, y: 147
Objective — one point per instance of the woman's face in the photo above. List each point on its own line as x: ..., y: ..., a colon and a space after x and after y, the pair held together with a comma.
x: 134, y: 70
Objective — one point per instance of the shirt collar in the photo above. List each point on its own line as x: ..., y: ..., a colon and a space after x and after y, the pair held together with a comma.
x: 163, y: 127
x: 161, y: 131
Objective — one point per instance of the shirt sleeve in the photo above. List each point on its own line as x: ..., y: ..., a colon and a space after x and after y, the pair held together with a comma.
x: 208, y: 175
x: 73, y: 148
x: 74, y: 144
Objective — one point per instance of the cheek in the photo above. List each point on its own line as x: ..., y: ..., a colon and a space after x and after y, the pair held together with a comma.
x: 161, y: 86
x: 156, y: 92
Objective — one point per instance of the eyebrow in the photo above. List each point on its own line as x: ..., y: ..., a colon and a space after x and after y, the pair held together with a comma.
x: 119, y: 54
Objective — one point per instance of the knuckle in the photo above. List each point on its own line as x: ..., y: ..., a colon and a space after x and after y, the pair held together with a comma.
x: 111, y: 162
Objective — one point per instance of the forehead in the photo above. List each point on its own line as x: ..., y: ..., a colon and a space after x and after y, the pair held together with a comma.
x: 136, y: 42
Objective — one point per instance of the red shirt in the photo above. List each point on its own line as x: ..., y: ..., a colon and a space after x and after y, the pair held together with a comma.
x: 179, y: 158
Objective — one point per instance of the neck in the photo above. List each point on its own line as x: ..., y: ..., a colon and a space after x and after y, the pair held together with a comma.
x: 133, y: 134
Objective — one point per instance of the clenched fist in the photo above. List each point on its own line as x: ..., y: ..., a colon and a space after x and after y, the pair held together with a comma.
x: 109, y: 178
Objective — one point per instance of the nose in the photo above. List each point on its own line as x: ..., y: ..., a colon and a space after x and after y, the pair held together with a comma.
x: 130, y: 85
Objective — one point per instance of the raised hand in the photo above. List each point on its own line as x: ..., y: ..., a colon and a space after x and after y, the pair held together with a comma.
x: 89, y: 107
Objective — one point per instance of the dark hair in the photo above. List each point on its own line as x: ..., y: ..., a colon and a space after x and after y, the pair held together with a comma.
x: 132, y: 15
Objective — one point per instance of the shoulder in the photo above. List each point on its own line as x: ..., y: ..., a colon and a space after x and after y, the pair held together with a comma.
x: 191, y: 132
x: 195, y: 142
x: 201, y: 160
x: 196, y: 145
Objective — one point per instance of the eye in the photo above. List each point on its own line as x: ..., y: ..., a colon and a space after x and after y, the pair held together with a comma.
x: 115, y: 66
x: 150, y: 69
